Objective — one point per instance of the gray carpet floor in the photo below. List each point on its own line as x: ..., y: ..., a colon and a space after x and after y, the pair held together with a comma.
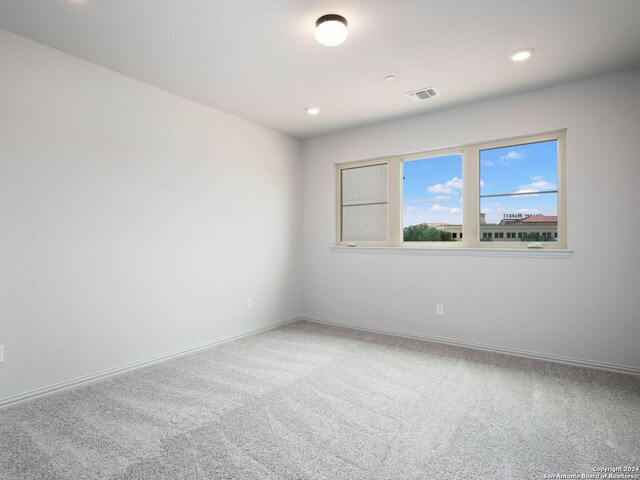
x: 310, y: 401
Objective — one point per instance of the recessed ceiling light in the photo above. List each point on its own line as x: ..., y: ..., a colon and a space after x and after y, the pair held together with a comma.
x: 521, y: 55
x: 312, y: 110
x: 331, y: 30
x: 390, y: 78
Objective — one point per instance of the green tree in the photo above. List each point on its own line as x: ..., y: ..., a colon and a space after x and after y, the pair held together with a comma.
x: 425, y: 233
x: 445, y: 236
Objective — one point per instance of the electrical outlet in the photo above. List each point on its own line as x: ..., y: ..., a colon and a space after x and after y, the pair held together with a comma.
x: 439, y: 309
x: 249, y: 303
x: 1, y: 353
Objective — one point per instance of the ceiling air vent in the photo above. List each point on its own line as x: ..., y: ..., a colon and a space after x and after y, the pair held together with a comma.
x: 423, y: 94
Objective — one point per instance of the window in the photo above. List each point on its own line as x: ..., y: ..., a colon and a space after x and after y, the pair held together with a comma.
x: 432, y: 198
x: 506, y: 194
x: 519, y: 187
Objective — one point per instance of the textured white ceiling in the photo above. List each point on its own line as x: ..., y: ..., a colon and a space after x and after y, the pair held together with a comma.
x: 259, y: 60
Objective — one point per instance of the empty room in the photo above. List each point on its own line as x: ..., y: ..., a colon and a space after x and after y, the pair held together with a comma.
x: 296, y: 239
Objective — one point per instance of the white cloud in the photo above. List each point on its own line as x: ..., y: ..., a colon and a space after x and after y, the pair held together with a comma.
x: 437, y: 213
x: 544, y: 185
x: 410, y: 209
x: 538, y: 184
x: 456, y: 183
x: 439, y: 188
x: 440, y: 208
x: 451, y: 187
x: 512, y: 155
x: 487, y: 163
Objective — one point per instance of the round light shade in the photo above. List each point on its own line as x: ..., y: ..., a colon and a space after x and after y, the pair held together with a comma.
x: 521, y: 55
x: 331, y: 30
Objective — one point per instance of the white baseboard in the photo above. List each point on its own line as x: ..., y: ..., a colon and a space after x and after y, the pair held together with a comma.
x: 40, y: 392
x: 4, y: 402
x: 579, y: 362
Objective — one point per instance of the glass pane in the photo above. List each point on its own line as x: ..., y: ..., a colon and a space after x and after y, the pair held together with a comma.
x: 519, y: 199
x: 432, y: 199
x: 519, y: 169
x: 362, y: 185
x: 364, y: 223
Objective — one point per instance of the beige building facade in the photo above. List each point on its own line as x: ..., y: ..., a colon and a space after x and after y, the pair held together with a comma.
x: 512, y: 228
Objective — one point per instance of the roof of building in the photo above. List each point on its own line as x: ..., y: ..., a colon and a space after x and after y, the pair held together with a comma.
x: 540, y: 219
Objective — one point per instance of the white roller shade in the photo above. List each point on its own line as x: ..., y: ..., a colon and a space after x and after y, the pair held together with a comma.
x: 364, y: 185
x: 364, y: 204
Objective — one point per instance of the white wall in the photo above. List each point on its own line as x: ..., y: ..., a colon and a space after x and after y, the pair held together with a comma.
x: 586, y: 307
x: 133, y: 222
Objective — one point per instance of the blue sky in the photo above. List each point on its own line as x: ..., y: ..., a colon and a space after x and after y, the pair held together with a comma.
x: 433, y: 186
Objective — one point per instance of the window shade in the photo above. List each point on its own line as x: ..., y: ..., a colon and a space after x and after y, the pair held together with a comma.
x: 364, y: 204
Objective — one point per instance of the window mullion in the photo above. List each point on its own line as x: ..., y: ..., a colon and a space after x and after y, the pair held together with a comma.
x: 395, y: 202
x: 471, y: 196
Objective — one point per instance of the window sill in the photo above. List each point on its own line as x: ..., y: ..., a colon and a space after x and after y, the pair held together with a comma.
x: 461, y: 252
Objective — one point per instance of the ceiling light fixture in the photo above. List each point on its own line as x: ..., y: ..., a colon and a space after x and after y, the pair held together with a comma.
x: 390, y: 78
x: 521, y: 55
x: 331, y: 30
x: 312, y: 110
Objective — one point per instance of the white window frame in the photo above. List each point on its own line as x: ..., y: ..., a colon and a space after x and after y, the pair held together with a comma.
x: 471, y: 195
x: 392, y: 185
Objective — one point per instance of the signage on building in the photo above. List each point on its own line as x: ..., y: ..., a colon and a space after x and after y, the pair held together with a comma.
x: 520, y: 216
